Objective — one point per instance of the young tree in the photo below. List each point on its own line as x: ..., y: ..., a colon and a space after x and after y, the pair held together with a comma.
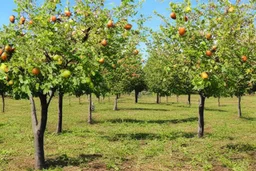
x: 52, y: 48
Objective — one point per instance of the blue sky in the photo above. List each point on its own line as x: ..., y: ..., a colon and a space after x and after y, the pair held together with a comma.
x: 149, y: 6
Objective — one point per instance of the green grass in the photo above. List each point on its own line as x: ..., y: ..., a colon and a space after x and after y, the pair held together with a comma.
x: 144, y: 136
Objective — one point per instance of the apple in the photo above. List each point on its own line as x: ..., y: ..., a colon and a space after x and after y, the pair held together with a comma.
x: 214, y: 48
x: 231, y: 9
x: 56, y: 57
x: 1, y: 51
x: 67, y: 13
x: 10, y: 82
x: 102, y: 60
x: 204, y: 75
x: 35, y: 71
x: 208, y: 36
x: 8, y: 48
x: 3, y: 67
x: 104, y: 42
x: 66, y: 73
x: 22, y: 20
x: 110, y: 24
x: 128, y: 27
x: 208, y: 53
x: 12, y: 18
x: 114, y: 66
x: 59, y: 61
x: 4, y: 56
x: 186, y: 18
x: 30, y: 22
x: 244, y: 58
x: 173, y: 15
x: 53, y: 18
x: 135, y: 52
x: 187, y: 9
x: 182, y: 31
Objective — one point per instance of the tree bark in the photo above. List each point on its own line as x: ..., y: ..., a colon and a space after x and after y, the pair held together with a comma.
x: 3, y: 100
x: 218, y: 101
x: 166, y: 99
x: 189, y: 99
x: 39, y: 130
x: 201, y: 116
x: 157, y: 98
x: 90, y: 109
x: 177, y: 98
x: 60, y: 113
x: 239, y: 107
x: 69, y: 100
x: 136, y: 96
x: 115, y: 103
x: 79, y: 98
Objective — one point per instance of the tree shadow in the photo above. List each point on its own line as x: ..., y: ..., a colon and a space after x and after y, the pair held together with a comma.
x: 1, y: 125
x: 173, y: 121
x: 240, y: 147
x: 150, y: 136
x: 64, y: 160
x: 216, y: 110
x: 144, y: 109
x: 248, y: 118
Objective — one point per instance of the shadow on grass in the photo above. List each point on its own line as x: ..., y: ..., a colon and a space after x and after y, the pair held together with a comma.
x: 249, y: 118
x: 64, y: 160
x: 150, y: 136
x: 154, y: 103
x: 1, y: 125
x: 146, y: 109
x: 240, y: 147
x: 173, y: 121
x: 216, y: 110
x: 152, y: 109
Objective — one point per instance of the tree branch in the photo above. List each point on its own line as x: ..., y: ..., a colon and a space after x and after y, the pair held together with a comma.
x: 33, y: 111
x: 86, y: 35
x: 51, y: 96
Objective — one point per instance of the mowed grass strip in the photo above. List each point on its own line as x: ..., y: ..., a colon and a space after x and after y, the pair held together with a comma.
x: 144, y: 136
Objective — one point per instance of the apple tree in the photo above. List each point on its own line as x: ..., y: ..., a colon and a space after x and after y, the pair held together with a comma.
x: 235, y: 29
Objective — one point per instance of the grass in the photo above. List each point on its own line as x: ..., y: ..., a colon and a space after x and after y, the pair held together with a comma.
x: 144, y: 136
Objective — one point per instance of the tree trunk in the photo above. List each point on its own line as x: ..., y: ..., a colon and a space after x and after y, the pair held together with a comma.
x: 177, y: 98
x: 79, y: 98
x: 3, y: 108
x: 90, y: 109
x: 189, y: 99
x: 218, y: 101
x: 60, y: 109
x: 239, y: 107
x: 115, y: 103
x: 136, y: 96
x: 157, y: 98
x: 39, y: 130
x: 166, y: 99
x: 99, y: 99
x: 201, y: 116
